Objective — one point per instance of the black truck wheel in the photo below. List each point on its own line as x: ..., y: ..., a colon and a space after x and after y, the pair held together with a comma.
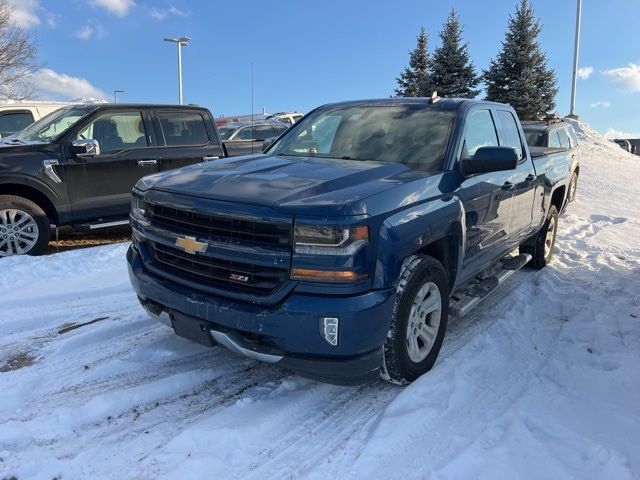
x: 24, y: 227
x: 541, y: 250
x: 419, y: 320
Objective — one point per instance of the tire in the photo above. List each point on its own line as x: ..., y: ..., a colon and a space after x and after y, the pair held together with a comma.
x: 24, y: 227
x: 408, y: 355
x: 573, y: 187
x: 541, y: 250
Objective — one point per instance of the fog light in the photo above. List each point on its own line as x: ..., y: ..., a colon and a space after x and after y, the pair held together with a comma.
x: 329, y: 330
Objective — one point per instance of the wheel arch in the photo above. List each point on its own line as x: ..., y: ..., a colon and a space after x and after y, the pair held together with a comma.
x: 34, y: 194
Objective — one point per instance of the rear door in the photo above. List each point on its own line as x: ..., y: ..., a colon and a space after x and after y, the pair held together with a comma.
x: 100, y: 186
x: 523, y: 178
x: 185, y: 137
x: 487, y: 197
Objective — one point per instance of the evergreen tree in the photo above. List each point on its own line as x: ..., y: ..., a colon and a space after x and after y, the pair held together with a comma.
x: 519, y: 75
x: 415, y: 80
x: 453, y: 73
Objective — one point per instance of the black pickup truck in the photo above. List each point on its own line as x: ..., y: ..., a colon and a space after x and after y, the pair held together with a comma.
x: 77, y: 166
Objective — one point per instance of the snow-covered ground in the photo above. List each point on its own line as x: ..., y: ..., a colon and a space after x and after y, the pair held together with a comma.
x: 542, y: 381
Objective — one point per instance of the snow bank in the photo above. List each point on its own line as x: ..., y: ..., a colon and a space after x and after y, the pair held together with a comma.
x: 542, y: 381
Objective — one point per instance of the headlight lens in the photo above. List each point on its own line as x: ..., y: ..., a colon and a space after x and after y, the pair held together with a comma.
x: 138, y: 206
x: 330, y: 239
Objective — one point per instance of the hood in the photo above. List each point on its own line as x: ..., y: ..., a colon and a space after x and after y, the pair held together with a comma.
x: 300, y: 185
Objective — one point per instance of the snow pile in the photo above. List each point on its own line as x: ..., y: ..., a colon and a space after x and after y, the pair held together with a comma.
x: 542, y: 381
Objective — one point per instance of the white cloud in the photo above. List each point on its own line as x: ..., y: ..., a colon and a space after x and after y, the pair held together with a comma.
x: 92, y: 29
x: 50, y: 83
x: 613, y: 133
x: 25, y: 13
x: 162, y: 13
x: 585, y: 72
x: 119, y: 8
x: 626, y: 78
x: 600, y: 104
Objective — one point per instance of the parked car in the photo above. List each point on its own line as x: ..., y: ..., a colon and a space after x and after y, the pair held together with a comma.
x: 335, y: 254
x: 77, y: 165
x: 17, y: 116
x: 545, y: 136
x: 248, y: 138
x: 623, y: 143
x: 286, y: 117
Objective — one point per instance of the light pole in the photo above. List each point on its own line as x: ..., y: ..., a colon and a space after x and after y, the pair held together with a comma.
x: 115, y: 95
x: 576, y: 49
x: 180, y: 42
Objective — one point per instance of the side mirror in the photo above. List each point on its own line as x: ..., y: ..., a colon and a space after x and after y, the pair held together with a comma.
x: 490, y: 159
x: 267, y: 143
x: 85, y: 148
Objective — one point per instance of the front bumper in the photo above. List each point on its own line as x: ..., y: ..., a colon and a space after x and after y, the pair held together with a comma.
x: 287, y: 333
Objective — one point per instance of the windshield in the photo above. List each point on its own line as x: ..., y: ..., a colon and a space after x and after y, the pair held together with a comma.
x: 225, y: 132
x: 52, y: 125
x: 536, y: 138
x: 409, y: 134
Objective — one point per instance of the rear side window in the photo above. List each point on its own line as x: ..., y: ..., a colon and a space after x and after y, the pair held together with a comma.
x: 280, y: 129
x: 12, y: 122
x: 564, y: 138
x: 510, y: 131
x: 262, y: 132
x: 554, y: 140
x: 244, y: 134
x: 481, y: 132
x: 572, y: 136
x: 183, y: 128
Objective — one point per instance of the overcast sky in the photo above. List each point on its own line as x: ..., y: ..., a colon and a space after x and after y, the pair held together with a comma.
x: 308, y: 53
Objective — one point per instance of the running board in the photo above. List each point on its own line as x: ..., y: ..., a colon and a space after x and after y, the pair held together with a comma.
x: 465, y: 298
x: 86, y: 227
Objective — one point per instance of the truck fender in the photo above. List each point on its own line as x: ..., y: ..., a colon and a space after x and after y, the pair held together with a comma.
x: 412, y: 230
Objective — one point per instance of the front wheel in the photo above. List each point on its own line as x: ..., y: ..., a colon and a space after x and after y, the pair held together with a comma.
x: 541, y: 250
x: 24, y: 227
x: 419, y: 320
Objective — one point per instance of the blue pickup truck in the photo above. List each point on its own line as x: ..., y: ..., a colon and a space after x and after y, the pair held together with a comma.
x: 340, y: 252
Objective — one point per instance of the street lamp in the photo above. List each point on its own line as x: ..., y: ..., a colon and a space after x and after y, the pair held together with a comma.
x: 576, y: 49
x: 115, y: 95
x: 182, y: 41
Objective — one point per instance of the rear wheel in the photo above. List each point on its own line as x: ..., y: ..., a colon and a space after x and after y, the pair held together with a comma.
x: 24, y: 227
x: 419, y: 321
x: 541, y: 250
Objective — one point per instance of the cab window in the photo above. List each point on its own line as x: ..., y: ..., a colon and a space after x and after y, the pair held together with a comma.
x: 554, y: 140
x: 244, y: 134
x: 183, y: 128
x: 116, y: 131
x: 12, y: 122
x: 564, y: 138
x: 510, y: 131
x: 481, y: 132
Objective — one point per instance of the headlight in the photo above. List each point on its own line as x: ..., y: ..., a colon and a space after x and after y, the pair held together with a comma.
x: 330, y: 240
x: 138, y: 206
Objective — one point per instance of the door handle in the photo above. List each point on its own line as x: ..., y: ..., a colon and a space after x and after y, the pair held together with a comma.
x: 206, y: 159
x: 507, y: 186
x: 142, y: 163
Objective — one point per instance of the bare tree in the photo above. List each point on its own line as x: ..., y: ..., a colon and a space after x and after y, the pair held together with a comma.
x: 17, y: 57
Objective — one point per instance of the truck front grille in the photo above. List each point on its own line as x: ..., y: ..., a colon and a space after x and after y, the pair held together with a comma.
x: 219, y: 227
x: 219, y: 273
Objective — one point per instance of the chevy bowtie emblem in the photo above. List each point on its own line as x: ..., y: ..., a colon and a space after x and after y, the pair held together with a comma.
x: 191, y: 245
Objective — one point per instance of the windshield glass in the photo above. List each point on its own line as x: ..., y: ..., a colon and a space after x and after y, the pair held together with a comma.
x: 225, y: 132
x: 52, y: 125
x: 409, y: 134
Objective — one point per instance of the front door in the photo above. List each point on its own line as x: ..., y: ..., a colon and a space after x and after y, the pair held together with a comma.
x: 101, y: 186
x: 524, y: 179
x: 185, y: 139
x: 487, y: 197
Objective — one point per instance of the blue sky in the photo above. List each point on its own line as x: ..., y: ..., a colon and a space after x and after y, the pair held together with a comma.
x: 309, y: 53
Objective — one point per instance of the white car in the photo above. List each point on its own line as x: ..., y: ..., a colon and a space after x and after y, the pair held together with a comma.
x: 16, y: 116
